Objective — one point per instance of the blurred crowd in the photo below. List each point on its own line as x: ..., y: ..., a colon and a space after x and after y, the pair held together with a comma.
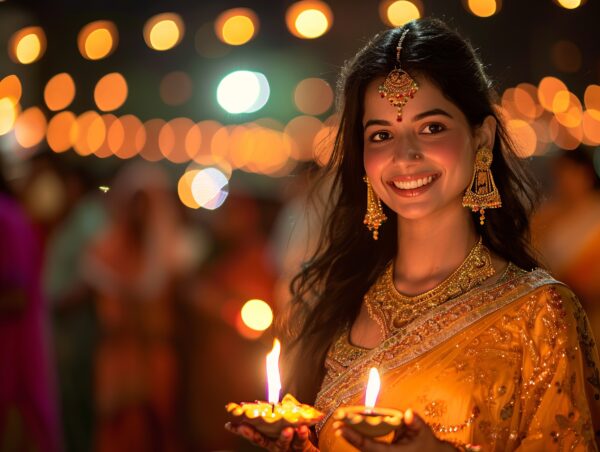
x: 120, y: 308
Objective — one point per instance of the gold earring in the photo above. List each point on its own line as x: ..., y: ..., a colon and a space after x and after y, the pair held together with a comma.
x: 482, y: 193
x: 374, y: 216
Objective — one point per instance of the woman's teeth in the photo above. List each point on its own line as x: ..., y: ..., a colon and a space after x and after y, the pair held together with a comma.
x: 413, y: 183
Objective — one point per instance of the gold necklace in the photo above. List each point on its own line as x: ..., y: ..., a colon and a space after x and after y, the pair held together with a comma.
x: 393, y: 310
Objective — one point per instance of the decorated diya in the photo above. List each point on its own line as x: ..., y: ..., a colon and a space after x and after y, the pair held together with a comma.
x: 271, y: 417
x: 369, y: 420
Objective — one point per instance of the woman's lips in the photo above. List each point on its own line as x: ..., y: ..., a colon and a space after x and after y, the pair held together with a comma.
x: 413, y: 185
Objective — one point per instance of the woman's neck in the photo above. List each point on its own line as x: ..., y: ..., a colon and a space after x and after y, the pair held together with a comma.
x: 430, y: 249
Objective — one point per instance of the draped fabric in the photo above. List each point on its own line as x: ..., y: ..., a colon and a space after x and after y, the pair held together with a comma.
x: 510, y: 367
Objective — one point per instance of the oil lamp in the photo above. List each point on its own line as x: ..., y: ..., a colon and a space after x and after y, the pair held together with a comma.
x: 271, y: 417
x: 369, y: 420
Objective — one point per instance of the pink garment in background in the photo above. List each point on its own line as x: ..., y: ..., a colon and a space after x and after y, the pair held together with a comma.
x: 28, y: 414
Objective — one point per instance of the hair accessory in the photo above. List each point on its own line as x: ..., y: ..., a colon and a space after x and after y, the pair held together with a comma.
x: 398, y: 87
x: 482, y: 193
x: 374, y: 216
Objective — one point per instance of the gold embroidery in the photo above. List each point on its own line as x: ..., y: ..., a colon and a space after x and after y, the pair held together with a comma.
x: 423, y: 334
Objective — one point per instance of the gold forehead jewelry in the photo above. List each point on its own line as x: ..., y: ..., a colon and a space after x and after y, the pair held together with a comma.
x: 398, y: 87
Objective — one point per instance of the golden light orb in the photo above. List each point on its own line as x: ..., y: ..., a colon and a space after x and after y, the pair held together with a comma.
x: 27, y: 45
x: 257, y: 315
x: 164, y: 31
x: 236, y: 26
x: 97, y: 39
x: 309, y: 19
x: 59, y: 92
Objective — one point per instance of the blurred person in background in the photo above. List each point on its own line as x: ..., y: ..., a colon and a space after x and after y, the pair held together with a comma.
x: 133, y: 267
x: 566, y: 228
x: 71, y: 300
x: 28, y: 412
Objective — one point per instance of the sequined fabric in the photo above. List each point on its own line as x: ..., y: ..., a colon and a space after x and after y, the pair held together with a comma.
x: 508, y: 367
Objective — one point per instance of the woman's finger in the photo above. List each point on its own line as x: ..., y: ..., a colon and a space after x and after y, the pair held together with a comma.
x: 283, y: 442
x: 361, y: 442
x: 301, y: 439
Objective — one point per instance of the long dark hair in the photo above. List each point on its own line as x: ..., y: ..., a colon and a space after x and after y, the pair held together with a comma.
x: 328, y: 292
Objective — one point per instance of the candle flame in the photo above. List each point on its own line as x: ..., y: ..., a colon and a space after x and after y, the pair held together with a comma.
x: 372, y: 388
x: 273, y: 378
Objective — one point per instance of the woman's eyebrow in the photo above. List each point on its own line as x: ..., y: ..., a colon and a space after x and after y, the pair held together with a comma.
x: 376, y: 122
x: 433, y: 112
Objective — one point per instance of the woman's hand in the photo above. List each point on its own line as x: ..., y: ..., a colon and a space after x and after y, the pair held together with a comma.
x: 415, y: 436
x: 289, y: 439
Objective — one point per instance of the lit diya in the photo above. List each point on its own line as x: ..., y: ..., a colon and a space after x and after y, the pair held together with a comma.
x: 369, y: 420
x: 270, y: 418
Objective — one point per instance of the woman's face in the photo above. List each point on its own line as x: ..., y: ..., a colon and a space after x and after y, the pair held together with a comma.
x: 424, y: 163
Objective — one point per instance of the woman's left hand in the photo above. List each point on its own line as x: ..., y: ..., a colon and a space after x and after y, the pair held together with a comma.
x: 415, y: 436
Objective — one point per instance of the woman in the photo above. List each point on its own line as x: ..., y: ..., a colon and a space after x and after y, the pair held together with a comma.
x: 446, y: 302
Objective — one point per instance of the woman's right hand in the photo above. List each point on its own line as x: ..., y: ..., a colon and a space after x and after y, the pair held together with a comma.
x: 289, y: 439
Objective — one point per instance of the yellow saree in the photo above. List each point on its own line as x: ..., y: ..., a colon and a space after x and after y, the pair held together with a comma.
x: 508, y: 367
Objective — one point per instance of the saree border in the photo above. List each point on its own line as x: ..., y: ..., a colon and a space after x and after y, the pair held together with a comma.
x: 423, y: 335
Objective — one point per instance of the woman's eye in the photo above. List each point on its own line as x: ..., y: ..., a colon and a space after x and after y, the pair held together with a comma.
x: 431, y: 129
x: 380, y: 136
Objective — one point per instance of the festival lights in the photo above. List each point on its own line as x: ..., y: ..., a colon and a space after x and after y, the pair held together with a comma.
x: 396, y: 13
x: 243, y: 92
x: 236, y: 26
x: 59, y: 92
x: 110, y: 92
x: 27, y: 45
x: 97, y: 39
x: 164, y: 31
x: 309, y: 19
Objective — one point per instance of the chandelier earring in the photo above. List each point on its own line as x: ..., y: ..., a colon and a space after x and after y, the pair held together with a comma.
x: 374, y: 217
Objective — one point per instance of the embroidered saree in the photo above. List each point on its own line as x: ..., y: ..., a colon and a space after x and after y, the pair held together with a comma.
x: 510, y: 367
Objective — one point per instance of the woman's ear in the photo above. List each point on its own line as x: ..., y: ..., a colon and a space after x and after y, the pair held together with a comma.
x: 486, y: 133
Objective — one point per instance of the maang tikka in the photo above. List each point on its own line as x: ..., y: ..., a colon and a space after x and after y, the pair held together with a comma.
x: 398, y: 87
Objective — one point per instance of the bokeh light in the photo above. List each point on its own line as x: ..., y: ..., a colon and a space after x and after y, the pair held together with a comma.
x: 483, y: 8
x: 184, y: 189
x: 591, y: 97
x: 100, y: 126
x: 164, y: 31
x: 150, y: 151
x: 564, y: 137
x: 176, y: 88
x: 302, y: 131
x: 309, y: 19
x: 398, y: 12
x: 209, y: 188
x: 548, y: 88
x: 84, y: 140
x: 257, y: 314
x: 97, y: 39
x: 110, y: 92
x: 570, y: 4
x: 27, y: 45
x: 525, y: 101
x: 243, y: 92
x: 8, y: 115
x: 58, y: 135
x: 126, y: 137
x: 236, y: 26
x: 566, y: 56
x: 313, y: 96
x: 172, y: 139
x: 30, y: 127
x: 11, y: 88
x: 59, y: 92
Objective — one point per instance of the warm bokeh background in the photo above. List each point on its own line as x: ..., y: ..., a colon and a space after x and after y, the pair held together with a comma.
x: 155, y: 157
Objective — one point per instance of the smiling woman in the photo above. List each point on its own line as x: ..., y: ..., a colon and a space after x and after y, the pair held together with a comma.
x: 482, y: 346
